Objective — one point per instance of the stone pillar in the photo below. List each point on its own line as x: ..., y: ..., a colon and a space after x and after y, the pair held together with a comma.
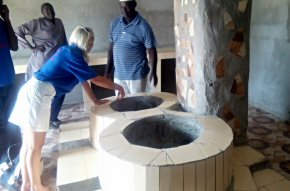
x: 212, y: 59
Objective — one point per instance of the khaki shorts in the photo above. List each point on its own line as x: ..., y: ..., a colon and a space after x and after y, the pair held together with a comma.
x: 32, y: 108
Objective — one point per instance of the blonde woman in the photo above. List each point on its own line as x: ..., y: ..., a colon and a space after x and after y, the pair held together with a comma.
x: 61, y: 73
x: 48, y: 35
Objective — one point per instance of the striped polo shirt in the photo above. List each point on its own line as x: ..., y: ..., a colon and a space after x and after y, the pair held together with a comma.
x: 129, y: 47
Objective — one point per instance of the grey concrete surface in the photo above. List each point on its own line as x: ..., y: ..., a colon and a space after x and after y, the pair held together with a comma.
x: 269, y: 86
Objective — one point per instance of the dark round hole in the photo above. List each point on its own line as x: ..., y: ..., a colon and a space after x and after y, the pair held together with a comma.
x: 136, y: 103
x: 162, y: 131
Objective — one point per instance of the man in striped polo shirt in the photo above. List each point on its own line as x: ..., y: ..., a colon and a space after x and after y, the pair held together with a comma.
x: 131, y: 39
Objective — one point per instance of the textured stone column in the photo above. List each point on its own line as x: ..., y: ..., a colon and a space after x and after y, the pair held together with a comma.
x: 212, y: 59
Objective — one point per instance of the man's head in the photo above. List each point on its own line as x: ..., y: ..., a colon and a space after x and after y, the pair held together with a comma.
x: 47, y: 11
x: 3, y: 9
x: 127, y: 8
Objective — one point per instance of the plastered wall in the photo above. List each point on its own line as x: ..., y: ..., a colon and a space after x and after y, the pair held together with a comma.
x: 96, y: 14
x: 269, y: 85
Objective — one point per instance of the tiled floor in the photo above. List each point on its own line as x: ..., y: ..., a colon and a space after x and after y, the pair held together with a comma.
x: 271, y: 136
x: 267, y: 134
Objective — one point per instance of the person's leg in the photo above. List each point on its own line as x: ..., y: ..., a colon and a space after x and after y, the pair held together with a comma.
x: 4, y: 94
x: 56, y: 107
x: 24, y: 173
x: 35, y: 142
x: 137, y: 86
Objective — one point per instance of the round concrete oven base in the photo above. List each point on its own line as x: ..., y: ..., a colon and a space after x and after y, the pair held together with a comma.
x: 204, y: 164
x: 103, y: 115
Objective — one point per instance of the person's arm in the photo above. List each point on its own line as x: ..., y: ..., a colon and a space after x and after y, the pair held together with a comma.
x: 106, y: 83
x: 110, y: 63
x: 13, y: 42
x: 27, y: 29
x: 152, y: 52
x: 91, y: 95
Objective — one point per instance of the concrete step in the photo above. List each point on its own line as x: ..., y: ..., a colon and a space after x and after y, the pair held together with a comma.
x: 246, y: 155
x: 74, y: 125
x: 74, y: 135
x: 74, y: 139
x: 78, y: 169
x: 252, y: 173
x: 270, y: 180
x: 243, y: 179
x: 245, y: 158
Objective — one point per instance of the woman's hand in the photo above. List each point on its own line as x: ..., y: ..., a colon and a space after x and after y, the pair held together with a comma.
x: 106, y: 83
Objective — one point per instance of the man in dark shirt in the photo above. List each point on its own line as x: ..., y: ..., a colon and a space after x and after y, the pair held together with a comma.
x: 9, y: 134
x: 8, y: 41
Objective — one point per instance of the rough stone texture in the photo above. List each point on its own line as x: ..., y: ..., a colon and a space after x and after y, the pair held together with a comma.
x: 212, y: 59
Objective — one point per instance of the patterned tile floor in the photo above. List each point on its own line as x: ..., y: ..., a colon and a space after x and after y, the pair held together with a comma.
x: 271, y: 136
x: 266, y: 133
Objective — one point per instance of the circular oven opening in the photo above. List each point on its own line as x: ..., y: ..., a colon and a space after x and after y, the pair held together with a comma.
x: 162, y: 131
x: 136, y: 103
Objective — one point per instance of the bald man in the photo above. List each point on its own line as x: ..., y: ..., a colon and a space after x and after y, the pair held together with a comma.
x: 131, y: 38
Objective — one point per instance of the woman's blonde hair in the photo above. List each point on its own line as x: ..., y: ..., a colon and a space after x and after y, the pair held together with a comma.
x: 80, y: 37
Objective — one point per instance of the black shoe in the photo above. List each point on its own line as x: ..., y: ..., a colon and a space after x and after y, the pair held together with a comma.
x: 54, y: 124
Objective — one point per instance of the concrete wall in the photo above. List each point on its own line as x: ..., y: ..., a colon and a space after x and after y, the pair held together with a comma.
x: 270, y: 57
x: 96, y: 14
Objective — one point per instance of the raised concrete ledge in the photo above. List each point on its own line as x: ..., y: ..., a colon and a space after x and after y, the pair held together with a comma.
x: 74, y: 126
x: 92, y: 184
x: 77, y: 165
